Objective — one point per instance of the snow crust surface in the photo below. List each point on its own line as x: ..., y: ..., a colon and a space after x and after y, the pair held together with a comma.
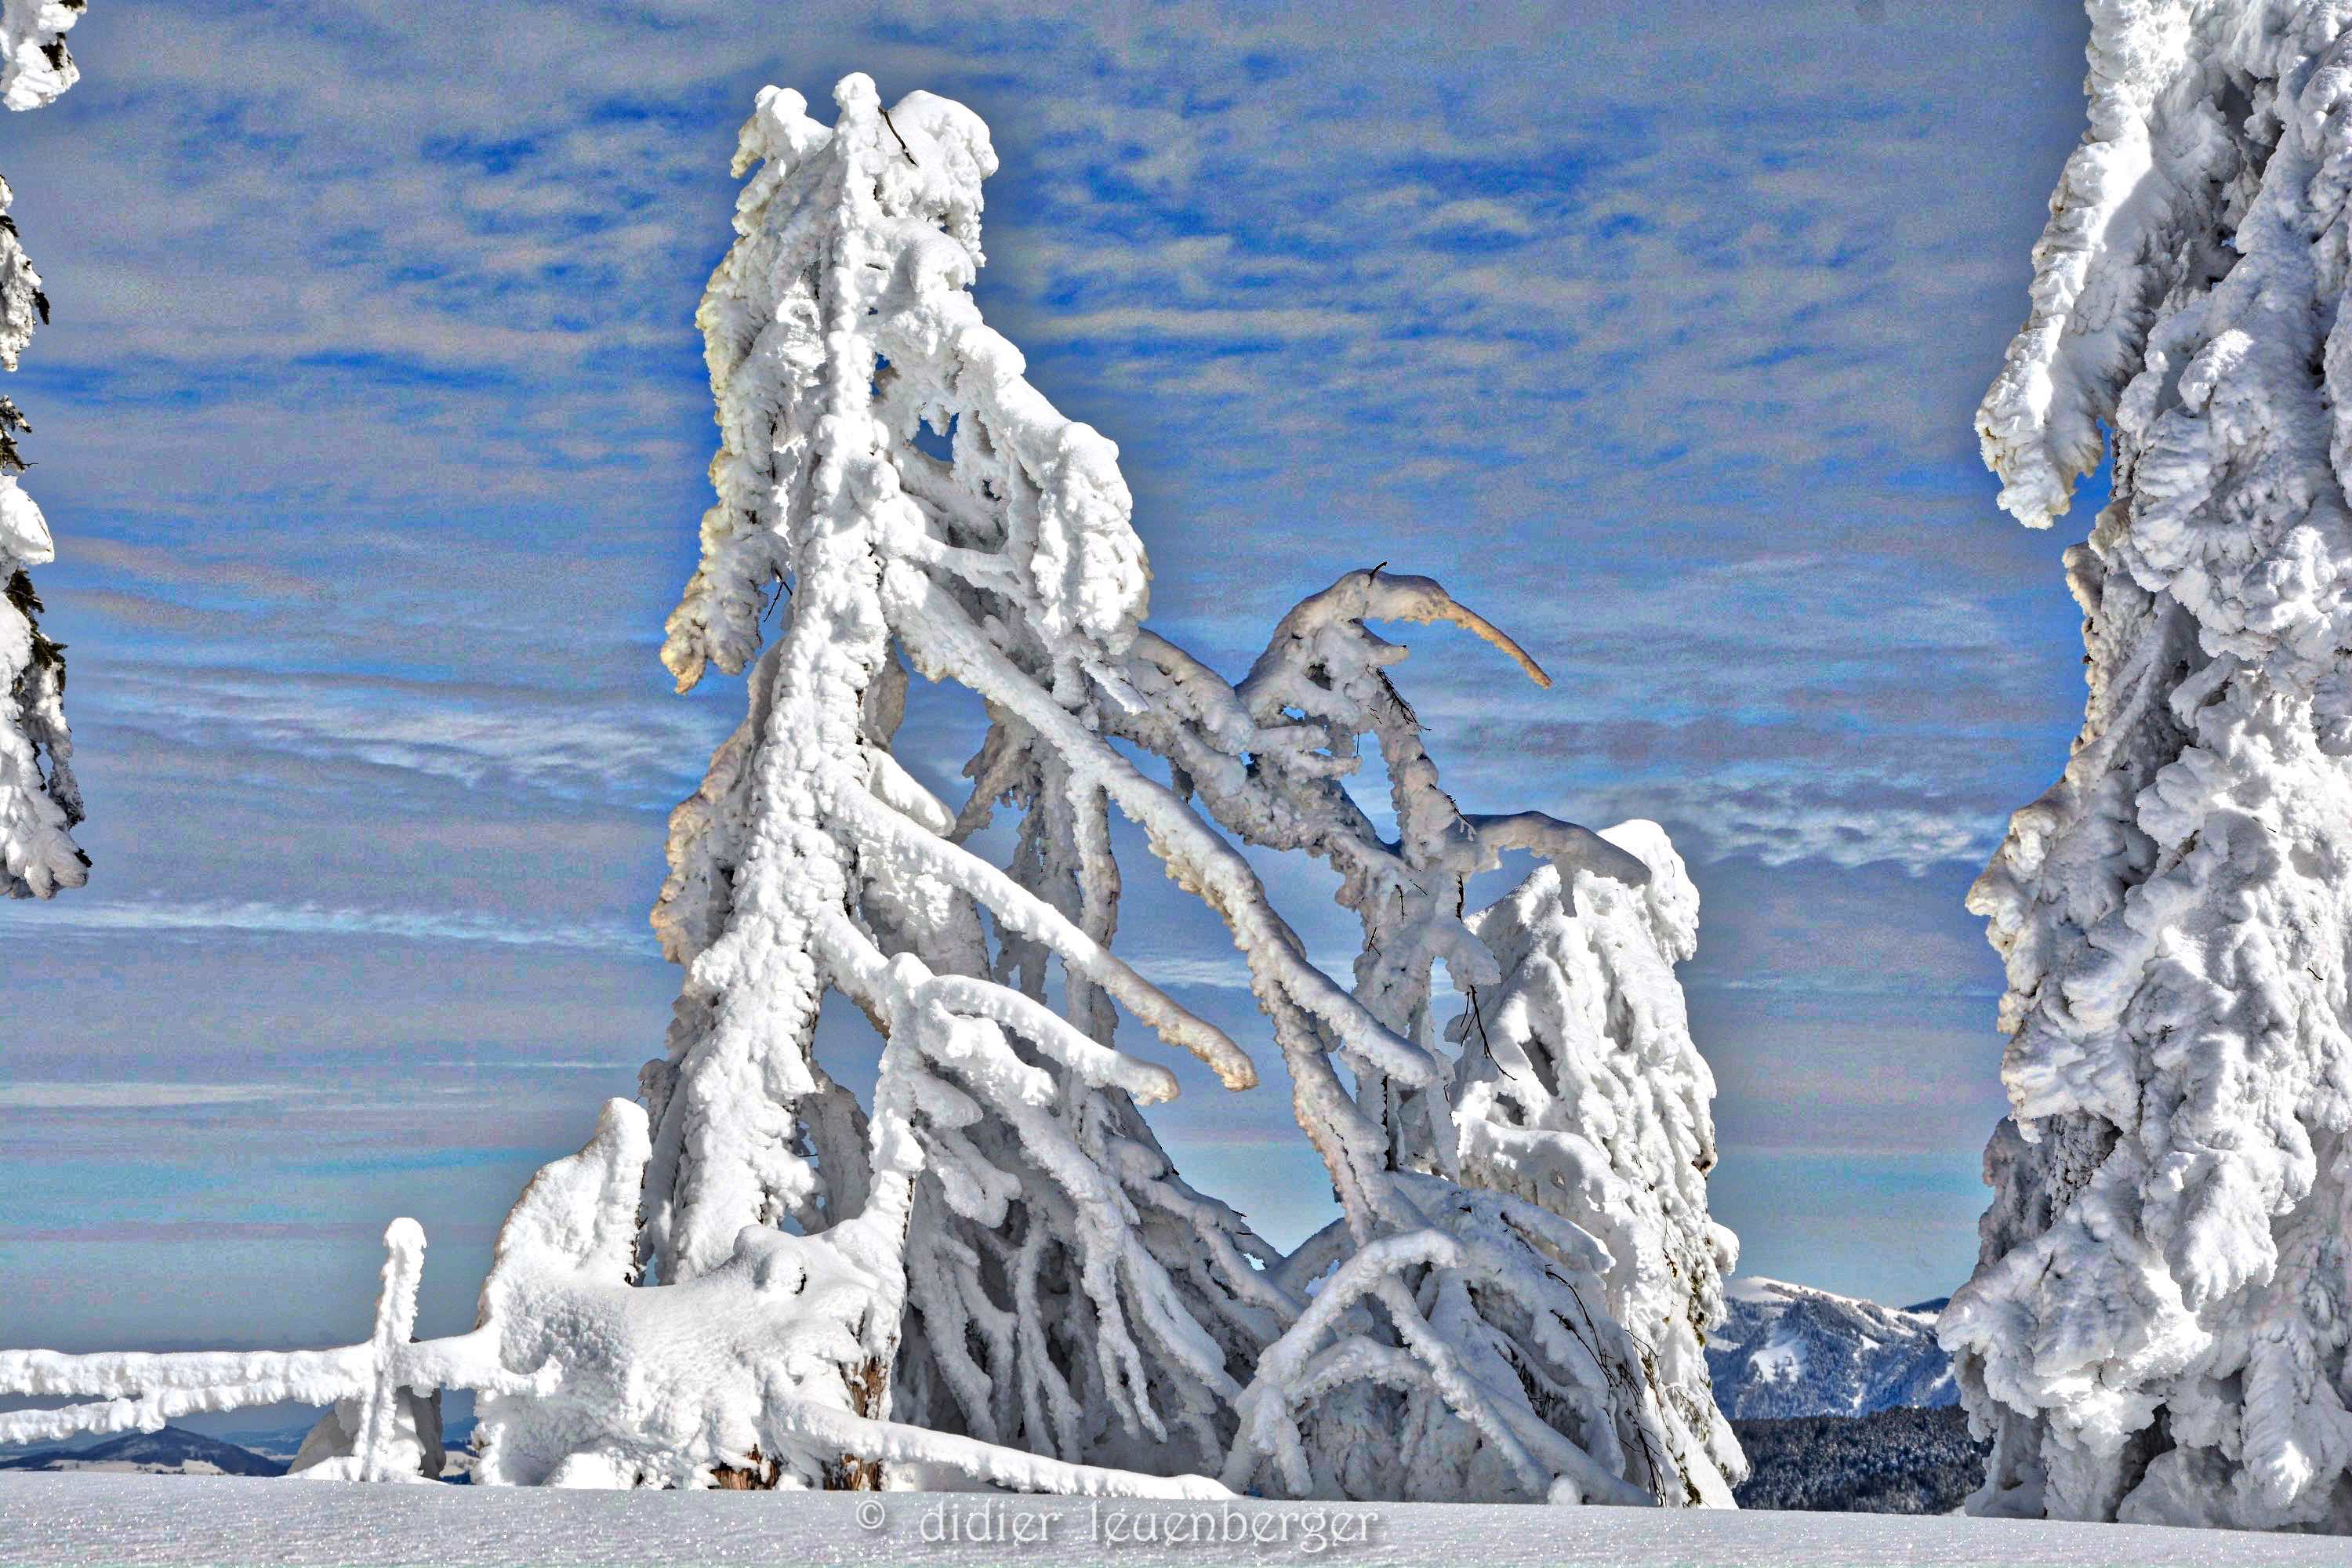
x: 175, y: 1521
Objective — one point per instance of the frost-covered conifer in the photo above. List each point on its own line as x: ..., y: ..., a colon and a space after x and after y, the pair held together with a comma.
x: 39, y: 803
x: 1062, y: 1289
x: 1579, y: 1090
x: 2157, y: 1327
x: 34, y: 64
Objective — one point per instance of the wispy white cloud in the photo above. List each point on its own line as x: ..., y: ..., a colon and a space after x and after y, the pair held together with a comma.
x: 259, y: 918
x: 31, y: 1095
x: 528, y: 743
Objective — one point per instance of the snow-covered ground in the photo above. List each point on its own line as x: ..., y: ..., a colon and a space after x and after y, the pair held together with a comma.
x: 87, y: 1518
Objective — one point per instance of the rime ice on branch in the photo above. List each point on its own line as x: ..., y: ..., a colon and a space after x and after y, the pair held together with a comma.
x: 39, y: 803
x: 376, y: 1428
x: 2157, y: 1327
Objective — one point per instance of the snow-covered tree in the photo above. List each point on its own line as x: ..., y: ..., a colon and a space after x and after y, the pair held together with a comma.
x: 34, y: 64
x: 812, y: 861
x: 2157, y: 1327
x: 1579, y: 1090
x: 39, y: 803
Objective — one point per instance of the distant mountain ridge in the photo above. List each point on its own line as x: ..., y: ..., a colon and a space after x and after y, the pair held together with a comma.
x: 279, y: 1443
x: 1785, y: 1351
x: 174, y: 1451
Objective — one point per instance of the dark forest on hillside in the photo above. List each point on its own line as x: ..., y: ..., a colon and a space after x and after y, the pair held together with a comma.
x: 1894, y: 1461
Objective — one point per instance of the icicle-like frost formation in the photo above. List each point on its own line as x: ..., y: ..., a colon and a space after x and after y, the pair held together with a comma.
x: 1023, y: 1304
x: 2156, y: 1327
x: 39, y: 803
x: 1579, y: 1090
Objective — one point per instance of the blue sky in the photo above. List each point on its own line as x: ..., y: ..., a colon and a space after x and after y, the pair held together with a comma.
x: 372, y: 426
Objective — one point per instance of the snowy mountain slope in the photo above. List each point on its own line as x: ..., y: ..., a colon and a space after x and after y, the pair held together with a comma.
x: 174, y: 1451
x: 1788, y: 1350
x: 82, y: 1518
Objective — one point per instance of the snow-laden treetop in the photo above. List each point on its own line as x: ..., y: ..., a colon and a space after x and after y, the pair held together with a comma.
x: 1070, y: 553
x: 2184, y: 293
